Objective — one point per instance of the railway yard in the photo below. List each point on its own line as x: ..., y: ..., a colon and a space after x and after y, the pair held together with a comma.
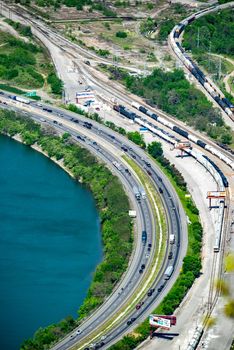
x: 206, y: 166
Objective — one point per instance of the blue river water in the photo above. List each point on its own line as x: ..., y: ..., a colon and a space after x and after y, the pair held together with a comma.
x: 50, y: 243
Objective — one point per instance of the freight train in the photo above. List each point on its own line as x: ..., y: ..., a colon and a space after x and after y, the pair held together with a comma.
x: 132, y: 115
x: 208, y: 85
x: 210, y: 166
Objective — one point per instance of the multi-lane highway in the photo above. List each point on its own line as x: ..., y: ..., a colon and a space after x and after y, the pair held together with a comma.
x: 107, y: 145
x: 104, y: 87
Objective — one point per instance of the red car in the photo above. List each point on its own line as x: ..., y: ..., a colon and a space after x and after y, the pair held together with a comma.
x: 138, y: 306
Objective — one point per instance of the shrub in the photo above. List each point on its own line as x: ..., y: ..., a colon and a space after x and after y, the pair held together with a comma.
x: 122, y: 35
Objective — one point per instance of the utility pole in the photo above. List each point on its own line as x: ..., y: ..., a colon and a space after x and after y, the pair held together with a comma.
x: 220, y: 69
x: 198, y: 37
x: 209, y: 56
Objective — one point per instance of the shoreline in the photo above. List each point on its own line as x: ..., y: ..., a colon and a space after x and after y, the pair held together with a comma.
x: 37, y: 148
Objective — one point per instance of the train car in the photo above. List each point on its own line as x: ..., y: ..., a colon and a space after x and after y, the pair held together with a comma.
x: 229, y: 112
x: 162, y: 120
x: 135, y: 105
x: 179, y: 28
x: 191, y: 19
x: 180, y: 131
x: 210, y: 89
x: 116, y: 108
x: 126, y: 112
x: 228, y: 103
x: 223, y: 177
x: 143, y: 109
x: 192, y: 138
x: 201, y: 143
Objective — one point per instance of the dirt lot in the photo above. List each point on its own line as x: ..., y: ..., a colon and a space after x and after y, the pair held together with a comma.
x: 135, y: 49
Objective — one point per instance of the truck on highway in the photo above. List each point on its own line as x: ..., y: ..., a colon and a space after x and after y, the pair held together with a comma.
x: 20, y: 99
x: 136, y: 193
x: 144, y: 237
x: 172, y: 239
x: 168, y: 272
x: 142, y: 192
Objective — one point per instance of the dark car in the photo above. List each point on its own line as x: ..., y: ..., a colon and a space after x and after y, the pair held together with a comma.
x: 149, y: 172
x: 133, y: 156
x: 129, y: 322
x: 170, y: 256
x: 160, y: 190
x: 124, y: 148
x: 133, y: 319
x: 142, y: 266
x: 140, y: 271
x: 150, y: 292
x: 160, y: 288
x: 149, y: 245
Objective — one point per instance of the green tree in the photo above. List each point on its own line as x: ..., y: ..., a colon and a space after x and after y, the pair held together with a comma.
x: 55, y: 83
x: 155, y: 149
x: 193, y: 264
x: 122, y: 35
x: 137, y: 138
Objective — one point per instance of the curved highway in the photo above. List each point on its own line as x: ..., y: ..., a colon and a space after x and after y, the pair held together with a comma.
x: 94, y: 139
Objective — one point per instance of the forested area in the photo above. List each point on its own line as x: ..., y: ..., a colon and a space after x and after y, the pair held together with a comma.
x: 210, y: 39
x: 111, y: 201
x: 172, y: 93
x: 216, y: 33
x: 24, y: 63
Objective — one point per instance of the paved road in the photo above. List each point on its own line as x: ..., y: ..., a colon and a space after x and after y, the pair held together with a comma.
x: 176, y: 219
x: 92, y: 80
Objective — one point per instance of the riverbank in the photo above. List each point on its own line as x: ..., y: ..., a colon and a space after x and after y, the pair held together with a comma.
x: 50, y: 243
x: 38, y: 148
x: 111, y: 201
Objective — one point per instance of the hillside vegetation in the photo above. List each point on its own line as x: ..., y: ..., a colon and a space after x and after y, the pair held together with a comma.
x: 210, y: 39
x: 25, y: 64
x: 216, y: 31
x: 172, y: 93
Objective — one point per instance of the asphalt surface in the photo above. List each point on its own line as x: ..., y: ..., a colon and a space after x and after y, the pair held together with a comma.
x: 108, y: 90
x: 175, y: 217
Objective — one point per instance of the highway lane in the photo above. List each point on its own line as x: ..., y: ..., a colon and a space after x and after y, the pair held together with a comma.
x: 159, y: 179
